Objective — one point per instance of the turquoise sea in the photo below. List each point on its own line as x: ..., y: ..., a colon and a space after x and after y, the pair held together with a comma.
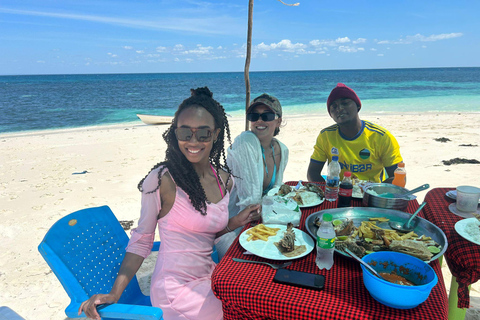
x: 41, y: 102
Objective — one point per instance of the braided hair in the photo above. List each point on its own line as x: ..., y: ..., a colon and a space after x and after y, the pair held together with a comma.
x: 179, y: 167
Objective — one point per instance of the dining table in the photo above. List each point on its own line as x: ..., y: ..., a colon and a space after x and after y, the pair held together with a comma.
x: 247, y: 290
x: 462, y: 256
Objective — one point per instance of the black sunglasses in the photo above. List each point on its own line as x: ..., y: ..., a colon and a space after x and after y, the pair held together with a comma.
x: 266, y: 117
x: 201, y: 134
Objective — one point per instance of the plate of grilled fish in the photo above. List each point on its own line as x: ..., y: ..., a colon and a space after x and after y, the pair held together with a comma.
x: 288, y: 243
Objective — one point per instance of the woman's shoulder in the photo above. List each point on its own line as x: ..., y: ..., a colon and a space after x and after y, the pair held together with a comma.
x: 281, y: 144
x: 246, y: 137
x: 151, y: 181
x: 226, y: 178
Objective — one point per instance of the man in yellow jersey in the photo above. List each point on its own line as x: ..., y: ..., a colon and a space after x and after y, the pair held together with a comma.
x: 363, y: 148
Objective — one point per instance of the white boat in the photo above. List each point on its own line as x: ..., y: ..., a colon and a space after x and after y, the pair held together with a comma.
x: 152, y: 119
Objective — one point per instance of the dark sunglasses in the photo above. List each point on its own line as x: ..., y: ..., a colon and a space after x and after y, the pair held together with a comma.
x: 201, y: 134
x: 266, y: 117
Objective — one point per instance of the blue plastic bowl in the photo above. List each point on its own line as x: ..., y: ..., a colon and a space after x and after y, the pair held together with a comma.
x: 396, y: 295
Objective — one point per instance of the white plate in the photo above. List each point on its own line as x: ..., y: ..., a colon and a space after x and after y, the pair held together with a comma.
x: 453, y: 209
x: 462, y: 224
x: 266, y: 249
x: 452, y: 194
x: 313, y: 200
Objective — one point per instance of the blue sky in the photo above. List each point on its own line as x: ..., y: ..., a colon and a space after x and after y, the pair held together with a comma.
x: 145, y: 36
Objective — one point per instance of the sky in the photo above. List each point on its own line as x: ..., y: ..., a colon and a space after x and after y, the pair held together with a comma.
x: 155, y: 36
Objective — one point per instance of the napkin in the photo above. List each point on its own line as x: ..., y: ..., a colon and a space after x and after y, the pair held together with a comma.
x: 282, y: 211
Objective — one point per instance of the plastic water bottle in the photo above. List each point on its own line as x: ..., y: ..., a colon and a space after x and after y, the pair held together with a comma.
x: 400, y: 175
x: 325, y: 243
x: 333, y: 180
x: 345, y: 190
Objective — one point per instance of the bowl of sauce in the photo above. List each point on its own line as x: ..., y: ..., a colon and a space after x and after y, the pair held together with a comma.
x: 406, y: 276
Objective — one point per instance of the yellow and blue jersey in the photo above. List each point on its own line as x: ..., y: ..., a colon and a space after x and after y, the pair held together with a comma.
x: 365, y: 155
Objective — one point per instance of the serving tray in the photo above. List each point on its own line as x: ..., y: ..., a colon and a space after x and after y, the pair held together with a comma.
x: 359, y: 214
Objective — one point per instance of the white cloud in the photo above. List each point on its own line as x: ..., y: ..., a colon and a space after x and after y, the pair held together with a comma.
x: 179, y: 47
x: 128, y: 47
x: 421, y: 38
x: 139, y: 51
x: 284, y: 45
x: 347, y: 49
x: 380, y: 55
x: 434, y: 37
x: 319, y: 43
x: 161, y: 49
x: 342, y: 40
x: 205, y: 24
x: 373, y: 49
x: 40, y: 61
x: 360, y: 40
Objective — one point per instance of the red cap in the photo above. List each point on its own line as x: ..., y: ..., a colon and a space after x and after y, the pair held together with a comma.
x: 347, y: 174
x: 342, y: 91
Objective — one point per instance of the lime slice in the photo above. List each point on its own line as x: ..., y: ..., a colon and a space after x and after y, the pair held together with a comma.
x: 342, y: 238
x: 337, y: 222
x: 433, y: 249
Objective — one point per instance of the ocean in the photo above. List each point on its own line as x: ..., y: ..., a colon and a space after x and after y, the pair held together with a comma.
x: 41, y: 102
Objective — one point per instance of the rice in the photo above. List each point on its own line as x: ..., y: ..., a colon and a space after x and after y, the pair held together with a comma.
x: 473, y: 230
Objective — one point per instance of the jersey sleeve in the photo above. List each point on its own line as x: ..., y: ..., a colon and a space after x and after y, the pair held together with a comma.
x: 391, y: 151
x: 319, y: 154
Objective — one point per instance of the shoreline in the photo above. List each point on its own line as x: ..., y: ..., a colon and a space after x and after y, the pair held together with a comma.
x: 139, y: 123
x: 38, y: 186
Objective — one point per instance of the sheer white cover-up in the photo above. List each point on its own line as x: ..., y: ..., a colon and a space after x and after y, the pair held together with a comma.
x: 245, y: 160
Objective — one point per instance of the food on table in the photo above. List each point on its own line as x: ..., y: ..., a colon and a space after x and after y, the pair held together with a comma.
x: 312, y: 187
x: 298, y: 198
x: 310, y: 193
x: 284, y: 190
x: 287, y: 246
x: 369, y: 237
x: 411, y: 247
x: 473, y: 230
x: 393, y: 277
x: 359, y: 187
x: 261, y: 232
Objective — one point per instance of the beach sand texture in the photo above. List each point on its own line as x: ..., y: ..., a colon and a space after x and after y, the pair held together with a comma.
x: 38, y: 188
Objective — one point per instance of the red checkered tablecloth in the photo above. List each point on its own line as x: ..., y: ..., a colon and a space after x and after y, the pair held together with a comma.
x: 462, y: 256
x: 247, y: 291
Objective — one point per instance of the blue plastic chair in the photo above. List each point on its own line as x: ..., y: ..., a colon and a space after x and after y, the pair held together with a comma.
x: 85, y: 250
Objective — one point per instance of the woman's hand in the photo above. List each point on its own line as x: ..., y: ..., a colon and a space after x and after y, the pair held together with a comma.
x: 249, y: 214
x: 90, y: 306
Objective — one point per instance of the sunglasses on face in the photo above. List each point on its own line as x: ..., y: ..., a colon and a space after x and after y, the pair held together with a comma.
x: 201, y: 134
x: 266, y: 117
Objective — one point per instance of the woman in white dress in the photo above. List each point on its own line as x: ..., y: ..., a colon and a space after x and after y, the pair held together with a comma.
x: 256, y: 159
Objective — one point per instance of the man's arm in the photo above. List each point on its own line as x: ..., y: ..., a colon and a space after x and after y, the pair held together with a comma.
x: 391, y: 173
x: 314, y: 172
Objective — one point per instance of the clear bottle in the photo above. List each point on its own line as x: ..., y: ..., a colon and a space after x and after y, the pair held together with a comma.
x: 345, y: 190
x: 325, y: 243
x: 400, y: 175
x: 333, y: 180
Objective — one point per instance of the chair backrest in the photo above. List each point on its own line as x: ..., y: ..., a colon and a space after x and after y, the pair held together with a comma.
x: 85, y: 249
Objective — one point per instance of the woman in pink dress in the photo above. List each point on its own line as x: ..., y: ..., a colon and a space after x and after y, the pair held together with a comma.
x: 187, y: 195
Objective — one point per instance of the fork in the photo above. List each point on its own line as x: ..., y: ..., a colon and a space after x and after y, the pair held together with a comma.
x: 274, y: 266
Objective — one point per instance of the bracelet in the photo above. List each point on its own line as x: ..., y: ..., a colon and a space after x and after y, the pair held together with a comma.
x: 228, y: 229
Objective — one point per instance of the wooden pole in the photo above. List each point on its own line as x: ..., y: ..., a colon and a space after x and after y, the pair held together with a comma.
x: 247, y: 60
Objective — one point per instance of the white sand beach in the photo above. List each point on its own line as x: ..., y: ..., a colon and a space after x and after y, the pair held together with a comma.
x: 37, y: 186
